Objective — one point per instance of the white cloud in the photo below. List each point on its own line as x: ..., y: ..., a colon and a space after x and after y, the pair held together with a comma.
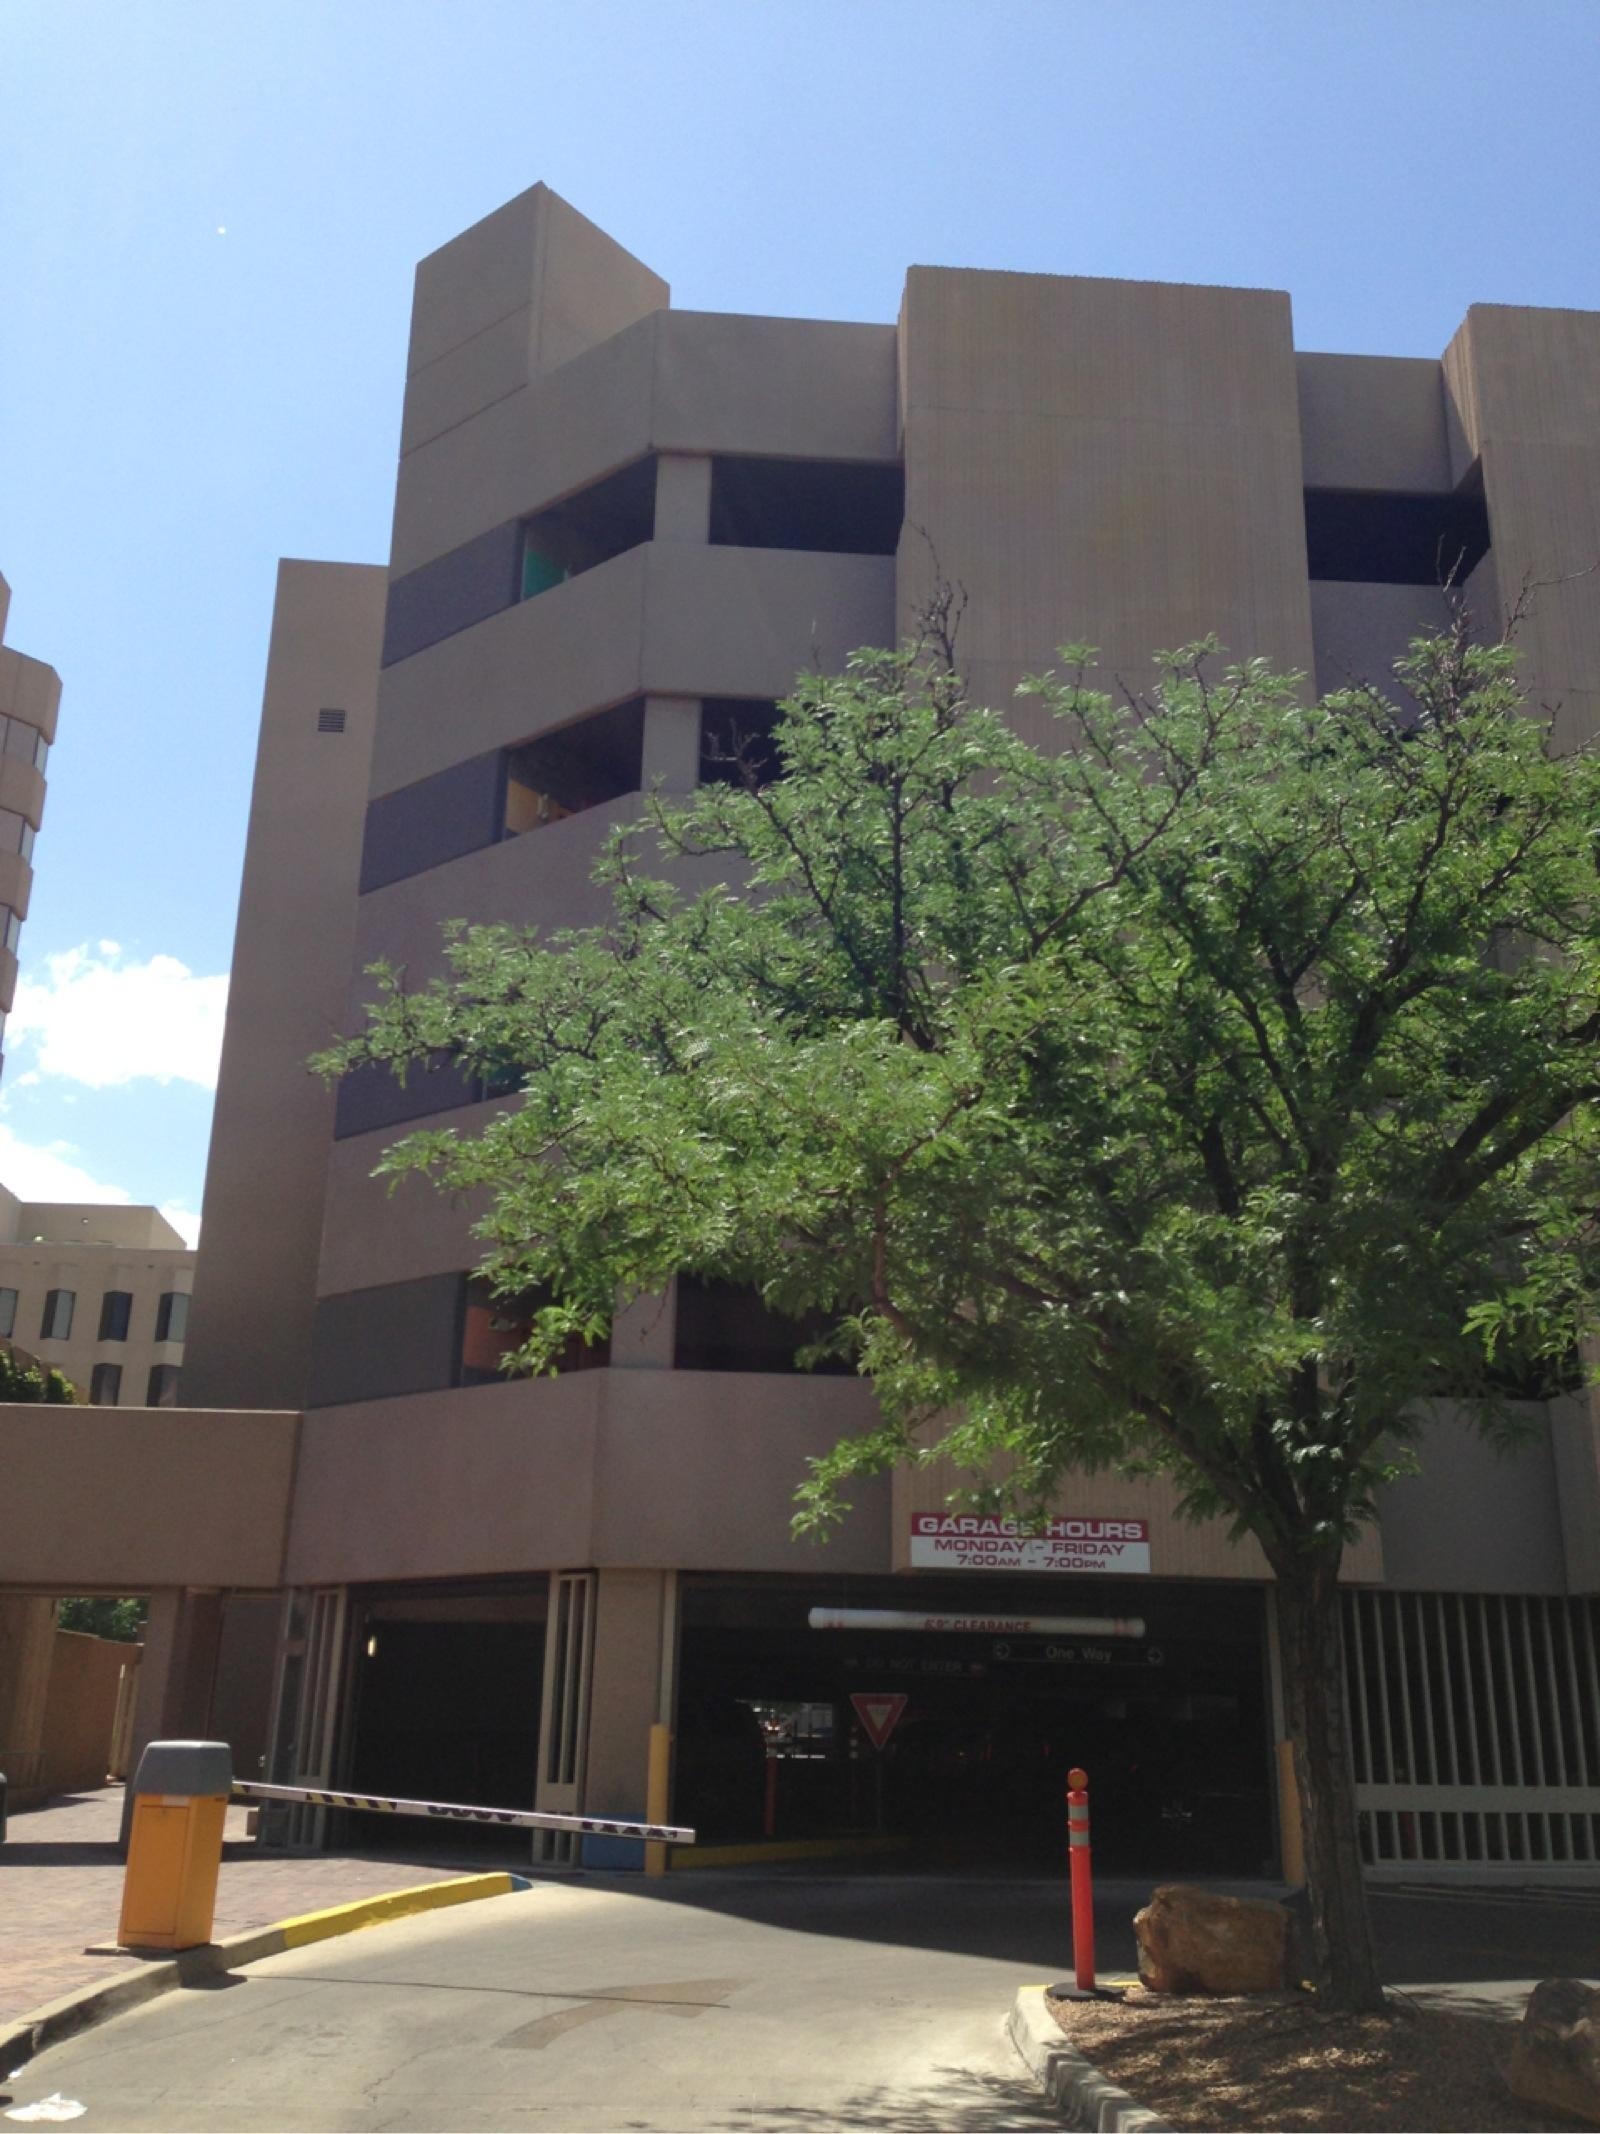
x: 97, y: 1019
x: 50, y: 1171
x: 183, y: 1220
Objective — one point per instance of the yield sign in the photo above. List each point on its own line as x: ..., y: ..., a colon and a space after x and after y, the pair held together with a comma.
x: 879, y: 1714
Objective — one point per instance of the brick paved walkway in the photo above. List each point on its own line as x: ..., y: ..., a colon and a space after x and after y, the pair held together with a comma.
x: 61, y: 1887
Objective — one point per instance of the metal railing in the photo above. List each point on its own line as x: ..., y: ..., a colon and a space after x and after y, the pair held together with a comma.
x: 1475, y: 1726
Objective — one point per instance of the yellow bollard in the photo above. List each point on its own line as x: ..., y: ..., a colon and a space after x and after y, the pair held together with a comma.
x: 658, y: 1795
x: 169, y: 1891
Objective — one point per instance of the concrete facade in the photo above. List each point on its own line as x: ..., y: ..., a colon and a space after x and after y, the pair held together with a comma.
x: 187, y: 1507
x: 291, y: 969
x: 30, y: 700
x: 613, y: 522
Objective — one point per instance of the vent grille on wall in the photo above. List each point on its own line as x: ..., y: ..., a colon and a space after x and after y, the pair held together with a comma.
x: 330, y: 722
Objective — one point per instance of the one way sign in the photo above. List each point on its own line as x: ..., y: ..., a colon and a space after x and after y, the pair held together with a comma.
x: 879, y: 1714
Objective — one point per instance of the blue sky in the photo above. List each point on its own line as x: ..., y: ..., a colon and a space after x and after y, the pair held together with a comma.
x: 211, y: 215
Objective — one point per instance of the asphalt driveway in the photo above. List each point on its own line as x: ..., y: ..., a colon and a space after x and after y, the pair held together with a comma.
x: 576, y: 2006
x: 714, y: 2001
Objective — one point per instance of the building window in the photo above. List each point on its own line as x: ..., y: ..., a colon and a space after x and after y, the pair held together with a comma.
x: 172, y: 1317
x: 162, y: 1391
x: 434, y: 820
x: 598, y: 523
x: 580, y: 766
x: 736, y: 741
x: 840, y: 507
x: 16, y: 833
x: 502, y: 793
x: 13, y: 926
x: 493, y: 1328
x: 1375, y: 537
x: 105, y: 1385
x: 540, y: 572
x: 330, y: 720
x: 370, y: 1096
x: 518, y: 560
x: 722, y: 1327
x: 56, y: 1324
x: 116, y: 1310
x: 8, y: 1313
x: 18, y: 738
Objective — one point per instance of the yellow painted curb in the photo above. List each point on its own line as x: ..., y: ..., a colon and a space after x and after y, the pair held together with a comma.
x: 27, y: 2035
x: 397, y: 1904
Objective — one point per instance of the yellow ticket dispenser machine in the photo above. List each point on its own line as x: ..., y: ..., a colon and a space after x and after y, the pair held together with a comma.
x: 169, y: 1891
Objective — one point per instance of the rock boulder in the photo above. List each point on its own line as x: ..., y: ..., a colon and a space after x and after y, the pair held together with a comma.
x: 1555, y: 2062
x: 1193, y: 1942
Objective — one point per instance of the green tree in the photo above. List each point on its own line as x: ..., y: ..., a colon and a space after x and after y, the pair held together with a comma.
x: 123, y: 1620
x: 1200, y: 1094
x: 24, y: 1379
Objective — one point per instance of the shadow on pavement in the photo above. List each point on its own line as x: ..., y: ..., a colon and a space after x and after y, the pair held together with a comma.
x: 1431, y: 1937
x: 960, y: 2102
x: 1485, y: 1935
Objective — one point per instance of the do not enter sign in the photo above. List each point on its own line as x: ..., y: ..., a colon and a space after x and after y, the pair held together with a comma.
x: 879, y: 1714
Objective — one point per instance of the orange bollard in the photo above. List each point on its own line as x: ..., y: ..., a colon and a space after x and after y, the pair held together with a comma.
x: 1078, y: 1860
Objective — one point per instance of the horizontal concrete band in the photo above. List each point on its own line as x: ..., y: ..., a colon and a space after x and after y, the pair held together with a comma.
x: 31, y: 2034
x: 456, y: 1812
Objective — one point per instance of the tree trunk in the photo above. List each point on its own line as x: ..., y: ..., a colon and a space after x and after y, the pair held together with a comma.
x: 1310, y: 1629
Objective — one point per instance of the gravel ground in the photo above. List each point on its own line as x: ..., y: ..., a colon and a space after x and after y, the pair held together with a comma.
x: 1269, y: 2064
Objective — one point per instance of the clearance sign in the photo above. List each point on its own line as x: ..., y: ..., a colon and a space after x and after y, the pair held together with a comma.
x: 963, y: 1541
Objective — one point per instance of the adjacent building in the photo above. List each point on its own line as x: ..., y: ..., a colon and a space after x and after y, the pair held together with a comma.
x: 99, y: 1293
x: 30, y: 697
x: 618, y: 530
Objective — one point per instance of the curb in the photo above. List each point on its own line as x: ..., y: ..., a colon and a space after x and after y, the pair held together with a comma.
x: 1074, y: 2085
x: 22, y: 2040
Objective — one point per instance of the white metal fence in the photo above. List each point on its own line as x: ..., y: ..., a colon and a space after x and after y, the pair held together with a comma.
x: 1475, y: 1723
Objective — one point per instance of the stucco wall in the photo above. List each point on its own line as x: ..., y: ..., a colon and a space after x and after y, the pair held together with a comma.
x: 1101, y: 461
x: 1373, y: 422
x: 253, y: 1285
x: 124, y: 1499
x: 1474, y: 1520
x: 631, y: 1469
x: 85, y: 1675
x: 1359, y: 631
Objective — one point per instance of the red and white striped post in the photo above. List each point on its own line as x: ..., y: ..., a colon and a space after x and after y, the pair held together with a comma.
x: 1078, y: 1860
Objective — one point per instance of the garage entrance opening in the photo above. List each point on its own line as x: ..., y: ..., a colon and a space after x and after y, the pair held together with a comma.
x: 1172, y: 1727
x: 445, y: 1707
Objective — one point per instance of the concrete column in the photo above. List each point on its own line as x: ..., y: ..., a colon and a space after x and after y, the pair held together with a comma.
x: 195, y: 1673
x: 625, y: 1692
x: 27, y: 1649
x: 176, y: 1675
x: 160, y: 1636
x: 671, y: 744
x: 644, y: 1332
x: 683, y: 496
x: 241, y: 1699
x: 179, y: 1667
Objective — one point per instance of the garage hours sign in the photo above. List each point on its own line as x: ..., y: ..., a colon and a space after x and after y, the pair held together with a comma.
x: 966, y: 1541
